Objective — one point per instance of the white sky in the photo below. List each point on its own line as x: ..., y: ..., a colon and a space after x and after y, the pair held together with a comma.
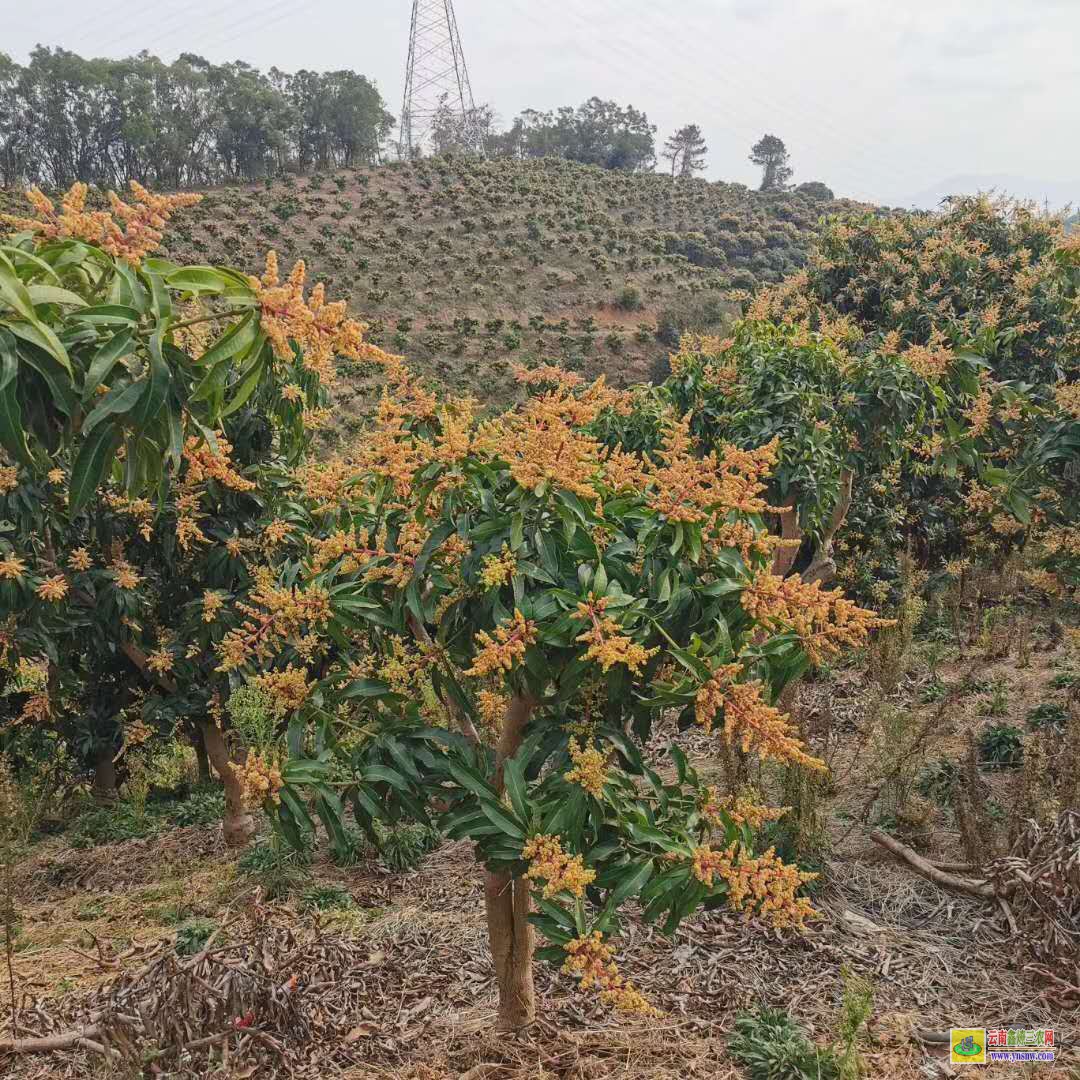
x: 880, y: 99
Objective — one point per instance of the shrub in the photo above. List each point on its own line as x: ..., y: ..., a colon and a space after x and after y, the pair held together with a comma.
x: 629, y: 299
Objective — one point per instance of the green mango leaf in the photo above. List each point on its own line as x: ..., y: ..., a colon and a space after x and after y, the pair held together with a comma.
x: 233, y: 342
x: 157, y: 387
x: 95, y: 457
x: 383, y: 774
x: 514, y: 775
x: 248, y: 384
x: 105, y: 359
x: 119, y: 401
x: 12, y: 434
x: 15, y: 295
x: 632, y: 882
x: 498, y: 815
x: 50, y: 294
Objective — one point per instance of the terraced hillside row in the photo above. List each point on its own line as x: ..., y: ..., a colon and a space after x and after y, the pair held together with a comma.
x: 467, y: 265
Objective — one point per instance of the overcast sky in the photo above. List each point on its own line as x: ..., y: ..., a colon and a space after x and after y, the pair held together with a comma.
x: 880, y: 99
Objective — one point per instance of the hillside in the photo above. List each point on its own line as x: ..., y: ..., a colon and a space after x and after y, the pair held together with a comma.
x: 468, y: 265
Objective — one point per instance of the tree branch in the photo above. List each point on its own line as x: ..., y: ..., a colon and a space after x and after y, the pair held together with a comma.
x: 139, y: 659
x: 928, y: 870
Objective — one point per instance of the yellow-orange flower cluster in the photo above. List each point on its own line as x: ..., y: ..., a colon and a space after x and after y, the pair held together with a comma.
x: 497, y: 570
x: 748, y: 718
x: 53, y: 589
x: 11, y: 567
x: 205, y: 463
x: 80, y: 560
x: 742, y: 809
x: 763, y: 886
x: 161, y: 661
x: 824, y: 620
x: 499, y: 653
x: 1067, y: 396
x: 591, y: 961
x: 273, y: 615
x: 559, y: 872
x: 129, y: 232
x: 260, y: 778
x: 607, y: 644
x: 287, y: 690
x: 319, y: 329
x: 590, y: 769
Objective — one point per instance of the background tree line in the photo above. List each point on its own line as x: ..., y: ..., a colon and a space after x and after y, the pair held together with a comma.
x: 190, y: 123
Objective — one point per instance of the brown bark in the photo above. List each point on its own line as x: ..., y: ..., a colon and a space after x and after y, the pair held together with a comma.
x: 932, y: 873
x: 507, y: 901
x: 201, y: 757
x: 237, y: 824
x: 823, y: 568
x: 52, y: 1043
x: 105, y: 788
x: 785, y: 557
x: 141, y: 661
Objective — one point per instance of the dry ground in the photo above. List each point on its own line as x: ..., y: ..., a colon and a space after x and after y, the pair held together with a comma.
x: 419, y: 1000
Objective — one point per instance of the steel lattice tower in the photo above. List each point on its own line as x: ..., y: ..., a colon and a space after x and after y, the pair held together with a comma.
x: 435, y: 72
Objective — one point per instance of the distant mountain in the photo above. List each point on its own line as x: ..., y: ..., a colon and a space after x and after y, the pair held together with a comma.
x: 1057, y: 193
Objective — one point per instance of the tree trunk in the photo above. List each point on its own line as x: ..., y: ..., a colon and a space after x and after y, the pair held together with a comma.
x: 507, y: 902
x: 105, y: 787
x: 201, y: 757
x: 237, y: 824
x: 823, y: 568
x: 785, y: 557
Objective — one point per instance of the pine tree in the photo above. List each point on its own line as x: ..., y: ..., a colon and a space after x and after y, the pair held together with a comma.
x: 770, y: 154
x: 686, y: 151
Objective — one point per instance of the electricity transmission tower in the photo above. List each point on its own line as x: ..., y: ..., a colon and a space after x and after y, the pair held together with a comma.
x: 436, y: 79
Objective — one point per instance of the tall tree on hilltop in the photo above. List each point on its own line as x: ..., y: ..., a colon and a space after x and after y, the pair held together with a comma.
x: 686, y: 151
x: 770, y: 154
x: 595, y: 133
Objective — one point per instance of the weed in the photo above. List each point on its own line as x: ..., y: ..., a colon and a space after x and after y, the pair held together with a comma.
x: 998, y: 704
x: 858, y: 1004
x: 1002, y: 746
x: 937, y: 780
x: 109, y: 825
x: 771, y: 1046
x: 1065, y: 680
x: 275, y: 865
x: 326, y: 898
x: 1049, y: 715
x: 404, y: 848
x: 933, y: 691
x: 203, y: 807
x: 357, y: 848
x: 192, y: 936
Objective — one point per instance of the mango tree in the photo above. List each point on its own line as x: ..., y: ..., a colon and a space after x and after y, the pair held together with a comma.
x: 491, y: 619
x: 150, y: 417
